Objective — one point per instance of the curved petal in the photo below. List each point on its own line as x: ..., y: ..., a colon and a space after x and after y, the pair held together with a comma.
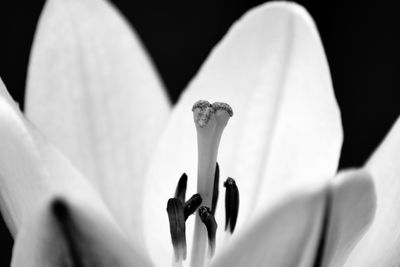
x: 32, y: 172
x: 64, y: 235
x: 286, y: 129
x: 4, y: 94
x: 93, y: 92
x: 352, y: 211
x: 286, y: 235
x: 382, y: 240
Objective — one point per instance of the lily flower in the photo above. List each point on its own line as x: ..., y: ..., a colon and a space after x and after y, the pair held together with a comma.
x: 85, y: 179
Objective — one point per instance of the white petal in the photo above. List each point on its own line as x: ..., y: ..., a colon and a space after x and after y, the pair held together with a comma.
x: 4, y: 93
x: 380, y: 245
x: 61, y: 233
x: 94, y: 94
x: 286, y: 128
x: 352, y: 211
x: 32, y: 170
x: 287, y: 235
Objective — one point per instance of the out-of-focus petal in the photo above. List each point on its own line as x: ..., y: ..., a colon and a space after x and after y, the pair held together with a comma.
x: 286, y: 128
x: 65, y: 235
x: 287, y: 234
x: 93, y: 92
x: 32, y: 172
x: 4, y: 93
x: 352, y: 211
x: 380, y: 245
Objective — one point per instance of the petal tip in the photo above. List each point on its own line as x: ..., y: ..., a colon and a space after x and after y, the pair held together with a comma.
x: 291, y: 8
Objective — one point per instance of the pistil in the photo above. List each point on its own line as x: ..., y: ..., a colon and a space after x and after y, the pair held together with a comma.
x: 210, y: 121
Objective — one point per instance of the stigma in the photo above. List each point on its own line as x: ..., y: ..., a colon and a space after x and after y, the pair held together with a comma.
x: 210, y: 121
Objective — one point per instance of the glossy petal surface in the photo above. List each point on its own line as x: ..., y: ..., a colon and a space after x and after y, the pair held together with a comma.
x: 94, y: 94
x: 380, y: 245
x: 286, y: 128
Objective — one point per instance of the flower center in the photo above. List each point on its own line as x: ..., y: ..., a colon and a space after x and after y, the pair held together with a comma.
x: 210, y: 121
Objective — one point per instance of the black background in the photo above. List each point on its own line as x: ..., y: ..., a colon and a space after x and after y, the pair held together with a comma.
x: 360, y: 38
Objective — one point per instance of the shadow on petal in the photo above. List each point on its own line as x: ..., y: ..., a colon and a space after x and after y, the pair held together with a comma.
x: 65, y: 235
x: 352, y: 212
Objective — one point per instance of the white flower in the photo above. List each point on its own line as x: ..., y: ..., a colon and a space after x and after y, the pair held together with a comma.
x: 93, y: 93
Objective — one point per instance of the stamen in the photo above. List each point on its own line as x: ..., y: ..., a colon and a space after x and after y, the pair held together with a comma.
x: 191, y: 205
x: 177, y: 228
x: 209, y: 221
x: 216, y: 190
x: 210, y: 121
x: 231, y: 204
x: 180, y: 192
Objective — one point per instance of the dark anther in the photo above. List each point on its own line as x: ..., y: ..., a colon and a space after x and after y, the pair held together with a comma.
x: 231, y: 204
x: 191, y: 205
x: 215, y: 190
x: 177, y: 227
x: 209, y: 221
x: 180, y: 192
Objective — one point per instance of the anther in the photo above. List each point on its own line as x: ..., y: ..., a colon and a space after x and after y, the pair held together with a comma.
x: 177, y: 228
x: 209, y: 221
x: 231, y: 204
x: 180, y: 192
x: 191, y: 205
x: 215, y: 190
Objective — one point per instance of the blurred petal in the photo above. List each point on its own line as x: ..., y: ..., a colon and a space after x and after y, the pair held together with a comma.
x: 287, y: 235
x: 380, y: 245
x: 65, y: 235
x: 32, y: 170
x: 352, y: 211
x: 95, y: 95
x: 4, y: 93
x: 286, y: 129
